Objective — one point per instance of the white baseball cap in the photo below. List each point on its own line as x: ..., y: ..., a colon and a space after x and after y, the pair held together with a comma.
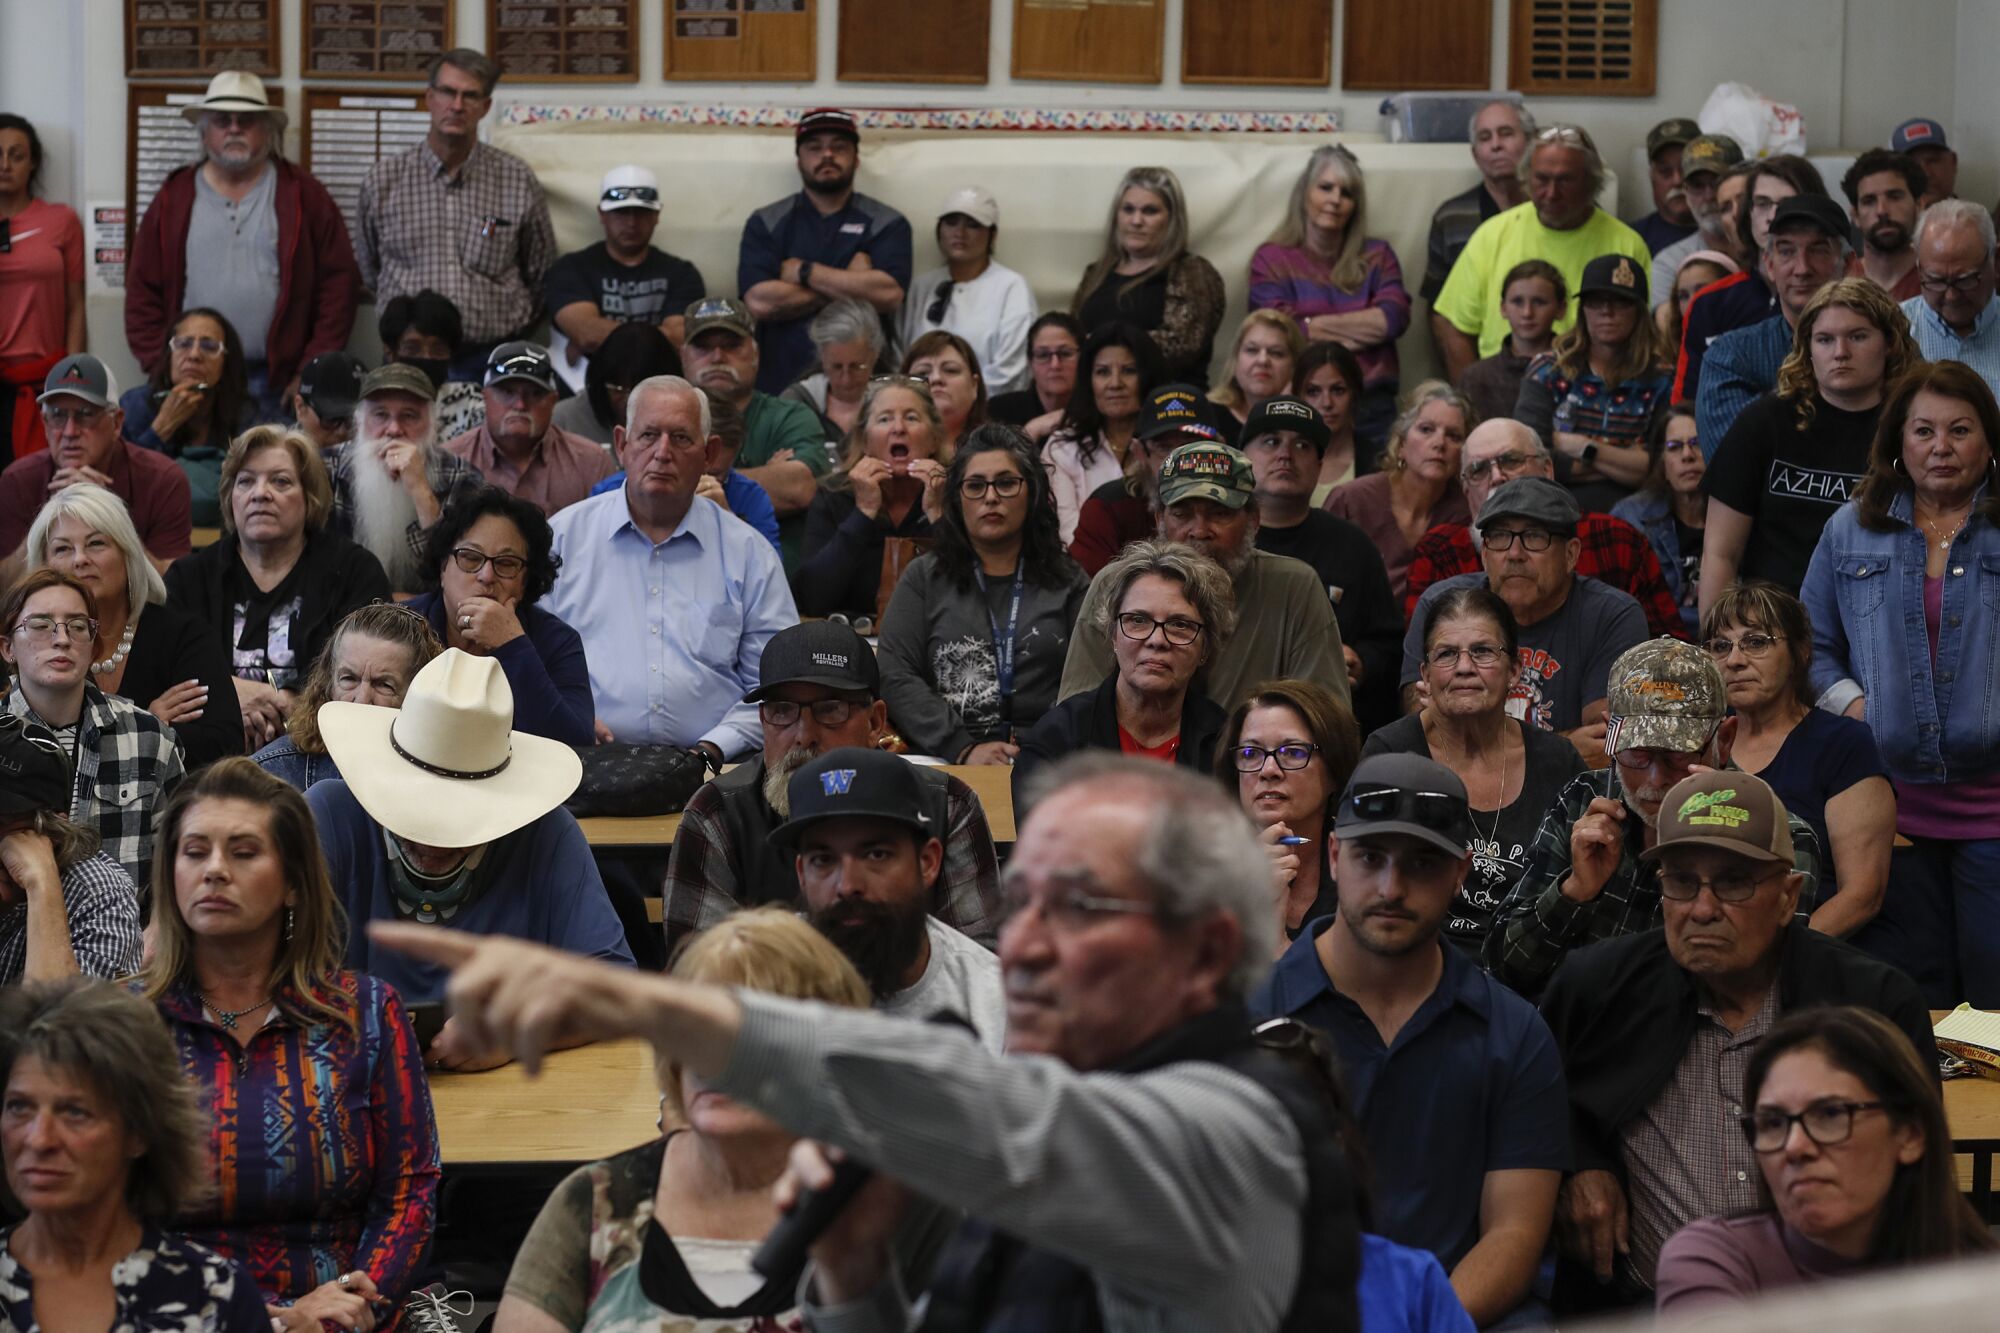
x: 975, y: 203
x: 628, y: 187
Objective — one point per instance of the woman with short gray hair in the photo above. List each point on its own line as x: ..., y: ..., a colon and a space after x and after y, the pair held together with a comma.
x: 1170, y: 613
x: 104, y: 1145
x: 847, y: 340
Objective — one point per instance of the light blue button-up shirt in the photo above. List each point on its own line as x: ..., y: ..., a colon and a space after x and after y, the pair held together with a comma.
x: 1939, y: 342
x: 674, y: 632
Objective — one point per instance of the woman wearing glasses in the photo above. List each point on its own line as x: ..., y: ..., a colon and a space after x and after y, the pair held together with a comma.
x: 889, y: 483
x: 1512, y: 771
x: 124, y: 760
x: 272, y: 589
x: 1824, y: 767
x: 1671, y: 508
x: 1118, y: 367
x: 1902, y: 591
x: 370, y: 659
x: 1855, y: 1168
x: 948, y: 364
x: 974, y: 638
x: 1290, y: 748
x: 490, y: 555
x: 1170, y: 613
x: 195, y: 403
x: 1054, y: 340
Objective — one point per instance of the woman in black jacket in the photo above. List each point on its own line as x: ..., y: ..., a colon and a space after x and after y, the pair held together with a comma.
x: 1171, y: 611
x: 274, y: 587
x: 148, y: 652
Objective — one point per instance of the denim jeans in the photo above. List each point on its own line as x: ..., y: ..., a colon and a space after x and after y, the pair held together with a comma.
x: 1940, y: 921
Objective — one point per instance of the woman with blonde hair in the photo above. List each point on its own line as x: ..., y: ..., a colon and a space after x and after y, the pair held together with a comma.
x: 889, y: 482
x: 1596, y: 397
x: 1418, y: 486
x: 661, y: 1235
x: 1851, y: 344
x: 1146, y: 276
x: 146, y: 651
x: 1261, y: 364
x: 372, y: 657
x: 321, y: 1133
x: 1340, y: 285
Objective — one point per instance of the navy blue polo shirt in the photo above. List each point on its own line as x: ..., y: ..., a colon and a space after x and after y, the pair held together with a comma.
x: 1472, y: 1084
x: 792, y: 228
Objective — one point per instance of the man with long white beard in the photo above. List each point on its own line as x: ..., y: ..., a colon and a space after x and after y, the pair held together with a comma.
x: 394, y: 480
x: 818, y: 689
x: 1585, y: 880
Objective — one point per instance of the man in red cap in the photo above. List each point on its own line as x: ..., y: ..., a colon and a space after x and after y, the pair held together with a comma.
x: 825, y: 242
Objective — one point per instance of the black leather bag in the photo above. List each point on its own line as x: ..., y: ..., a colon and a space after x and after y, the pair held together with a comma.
x: 636, y: 780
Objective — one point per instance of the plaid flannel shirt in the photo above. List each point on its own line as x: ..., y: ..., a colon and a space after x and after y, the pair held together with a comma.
x: 451, y: 478
x: 103, y: 911
x: 1536, y: 927
x: 703, y: 883
x: 1614, y: 552
x: 127, y: 761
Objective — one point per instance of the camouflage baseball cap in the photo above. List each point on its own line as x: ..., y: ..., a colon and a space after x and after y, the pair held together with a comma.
x: 1664, y: 695
x: 1709, y: 152
x: 1671, y: 133
x: 1729, y: 810
x: 1206, y: 472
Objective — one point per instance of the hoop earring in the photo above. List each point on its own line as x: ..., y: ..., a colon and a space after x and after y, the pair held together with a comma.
x: 661, y: 1123
x: 1896, y: 466
x: 289, y: 914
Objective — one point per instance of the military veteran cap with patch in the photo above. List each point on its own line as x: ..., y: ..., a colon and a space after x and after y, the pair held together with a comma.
x: 1729, y: 810
x: 1207, y: 472
x: 1664, y: 695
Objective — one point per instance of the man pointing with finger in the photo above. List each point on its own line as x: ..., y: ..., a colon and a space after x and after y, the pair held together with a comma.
x: 1587, y: 878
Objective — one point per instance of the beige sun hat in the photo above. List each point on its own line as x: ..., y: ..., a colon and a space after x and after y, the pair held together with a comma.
x: 234, y: 90
x: 447, y: 769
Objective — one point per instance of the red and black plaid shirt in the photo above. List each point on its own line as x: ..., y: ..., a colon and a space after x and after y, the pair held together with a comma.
x: 1614, y: 552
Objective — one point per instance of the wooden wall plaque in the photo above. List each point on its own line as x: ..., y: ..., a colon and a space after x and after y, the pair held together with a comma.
x: 1284, y: 42
x: 395, y: 40
x: 1411, y: 45
x: 564, y: 41
x: 158, y: 140
x: 742, y: 40
x: 1089, y: 41
x: 914, y: 41
x: 168, y: 39
x: 347, y: 131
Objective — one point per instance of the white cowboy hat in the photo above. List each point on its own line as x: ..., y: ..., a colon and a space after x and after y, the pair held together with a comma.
x: 234, y: 90
x: 447, y: 769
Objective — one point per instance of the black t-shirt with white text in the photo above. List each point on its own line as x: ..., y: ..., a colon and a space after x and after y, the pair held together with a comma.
x: 1789, y: 481
x: 644, y: 293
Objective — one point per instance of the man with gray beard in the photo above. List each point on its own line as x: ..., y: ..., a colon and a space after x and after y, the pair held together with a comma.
x: 1285, y: 626
x: 1585, y: 880
x: 391, y: 483
x: 818, y: 689
x: 248, y: 234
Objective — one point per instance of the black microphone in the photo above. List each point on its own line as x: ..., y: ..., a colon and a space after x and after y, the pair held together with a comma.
x: 784, y: 1248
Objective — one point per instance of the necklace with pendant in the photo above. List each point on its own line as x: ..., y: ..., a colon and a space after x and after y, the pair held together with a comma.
x: 228, y: 1017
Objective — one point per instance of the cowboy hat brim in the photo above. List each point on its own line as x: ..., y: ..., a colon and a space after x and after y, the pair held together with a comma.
x: 192, y: 114
x: 438, y: 811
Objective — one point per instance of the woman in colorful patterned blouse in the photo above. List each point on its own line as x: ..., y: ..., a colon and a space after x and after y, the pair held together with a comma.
x: 322, y: 1132
x: 103, y: 1142
x: 1341, y: 285
x: 660, y: 1236
x: 1594, y: 400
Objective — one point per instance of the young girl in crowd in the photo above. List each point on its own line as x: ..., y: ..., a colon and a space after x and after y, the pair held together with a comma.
x: 1532, y: 299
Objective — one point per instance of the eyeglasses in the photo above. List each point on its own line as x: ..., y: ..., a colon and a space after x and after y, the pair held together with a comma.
x: 1483, y: 655
x: 1045, y: 355
x: 1937, y: 282
x: 901, y: 381
x: 1531, y: 539
x: 85, y: 417
x: 826, y: 712
x: 1825, y: 1122
x: 1568, y: 134
x: 1291, y: 758
x: 1180, y: 631
x: 1506, y: 462
x: 630, y: 194
x: 1647, y: 756
x: 1006, y: 487
x: 1675, y: 446
x: 938, y: 302
x: 1435, y: 810
x: 1731, y: 886
x: 1069, y: 909
x: 1753, y: 644
x: 472, y: 560
x: 43, y: 628
x: 187, y: 342
x: 1764, y: 205
x: 232, y: 120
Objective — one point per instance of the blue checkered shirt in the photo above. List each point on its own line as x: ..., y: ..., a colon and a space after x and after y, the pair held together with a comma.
x: 1740, y: 367
x: 1938, y: 342
x: 103, y: 910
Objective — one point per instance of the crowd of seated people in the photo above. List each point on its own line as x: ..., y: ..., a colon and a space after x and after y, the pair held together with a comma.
x: 1471, y: 854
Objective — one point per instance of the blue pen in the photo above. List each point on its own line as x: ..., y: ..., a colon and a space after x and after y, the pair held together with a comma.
x: 1293, y: 841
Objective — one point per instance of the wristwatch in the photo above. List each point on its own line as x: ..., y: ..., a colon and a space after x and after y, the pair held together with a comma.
x: 1589, y: 452
x: 805, y: 273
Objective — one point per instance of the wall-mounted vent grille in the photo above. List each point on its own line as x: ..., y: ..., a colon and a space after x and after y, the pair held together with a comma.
x: 1597, y: 48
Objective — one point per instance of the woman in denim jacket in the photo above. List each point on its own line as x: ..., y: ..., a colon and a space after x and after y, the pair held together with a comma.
x: 1904, y: 591
x: 1671, y: 509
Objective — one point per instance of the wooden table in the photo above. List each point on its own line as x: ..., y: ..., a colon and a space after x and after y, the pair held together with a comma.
x: 1972, y: 1109
x: 648, y: 834
x: 588, y: 1103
